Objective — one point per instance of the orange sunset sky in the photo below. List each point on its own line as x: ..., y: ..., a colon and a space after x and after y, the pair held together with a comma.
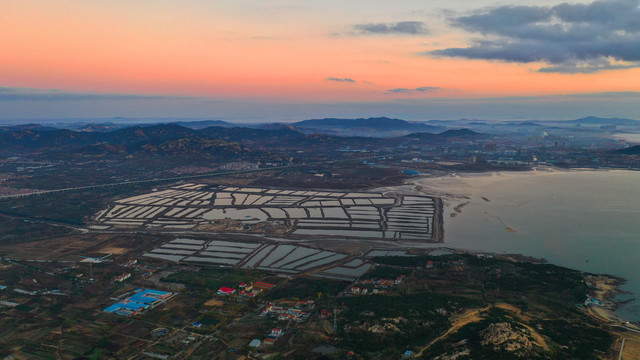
x: 288, y: 60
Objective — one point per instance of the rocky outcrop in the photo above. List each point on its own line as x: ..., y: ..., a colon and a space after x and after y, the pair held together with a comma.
x: 504, y: 337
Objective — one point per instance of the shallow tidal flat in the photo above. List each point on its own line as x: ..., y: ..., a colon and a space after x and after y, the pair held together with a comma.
x: 586, y: 220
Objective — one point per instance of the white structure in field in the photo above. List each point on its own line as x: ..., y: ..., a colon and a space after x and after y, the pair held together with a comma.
x: 284, y: 259
x: 299, y: 212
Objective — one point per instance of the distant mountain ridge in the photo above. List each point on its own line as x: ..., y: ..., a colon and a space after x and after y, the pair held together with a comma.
x: 39, y: 127
x: 631, y: 150
x: 377, y: 122
x: 307, y: 126
x: 368, y: 125
x: 461, y: 133
x: 522, y: 123
x: 466, y: 134
x: 203, y: 124
x: 174, y: 137
x: 64, y: 138
x: 593, y: 120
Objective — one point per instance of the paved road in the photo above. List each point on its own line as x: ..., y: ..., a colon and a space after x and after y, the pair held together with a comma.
x: 622, y: 347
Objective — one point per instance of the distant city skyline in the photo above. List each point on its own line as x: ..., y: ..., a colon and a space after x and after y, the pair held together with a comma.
x: 248, y: 61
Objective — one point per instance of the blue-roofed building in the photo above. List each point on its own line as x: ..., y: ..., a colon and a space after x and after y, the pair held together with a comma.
x: 157, y: 292
x: 143, y: 299
x: 137, y: 302
x: 133, y: 305
x: 112, y: 308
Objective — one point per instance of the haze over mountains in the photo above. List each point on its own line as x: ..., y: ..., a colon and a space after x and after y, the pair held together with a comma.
x: 339, y: 126
x: 592, y: 120
x: 380, y: 126
x: 162, y: 136
x: 379, y: 131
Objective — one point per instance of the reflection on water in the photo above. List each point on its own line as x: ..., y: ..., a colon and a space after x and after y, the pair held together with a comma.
x: 586, y: 220
x: 632, y: 138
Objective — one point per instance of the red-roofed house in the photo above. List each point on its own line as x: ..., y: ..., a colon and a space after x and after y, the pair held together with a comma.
x: 226, y: 291
x: 263, y: 285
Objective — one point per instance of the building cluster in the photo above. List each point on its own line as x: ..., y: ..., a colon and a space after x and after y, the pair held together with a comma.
x: 324, y: 313
x: 606, y: 304
x: 297, y: 311
x: 269, y: 340
x: 190, y: 170
x: 130, y: 263
x: 273, y: 336
x: 246, y: 290
x: 237, y: 166
x: 20, y: 291
x: 283, y: 313
x: 226, y: 291
x: 143, y: 269
x: 373, y: 286
x: 459, y: 262
x: 122, y: 277
x: 139, y: 301
x: 254, y: 289
x: 8, y: 190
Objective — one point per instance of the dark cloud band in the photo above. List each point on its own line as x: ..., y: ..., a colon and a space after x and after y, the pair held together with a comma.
x: 29, y: 94
x: 422, y: 89
x: 571, y: 38
x: 398, y: 28
x: 336, y: 79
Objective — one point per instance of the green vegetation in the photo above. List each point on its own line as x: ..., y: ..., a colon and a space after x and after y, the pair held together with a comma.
x: 72, y: 208
x: 305, y: 288
x: 414, y: 261
x: 477, y: 308
x: 571, y: 339
x: 15, y: 230
x: 383, y: 272
x: 382, y: 326
x: 548, y: 284
x: 392, y: 323
x: 576, y: 339
x: 418, y: 306
x: 208, y: 280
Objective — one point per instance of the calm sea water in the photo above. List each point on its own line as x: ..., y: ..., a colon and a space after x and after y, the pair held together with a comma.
x: 631, y: 138
x: 586, y: 220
